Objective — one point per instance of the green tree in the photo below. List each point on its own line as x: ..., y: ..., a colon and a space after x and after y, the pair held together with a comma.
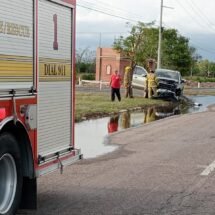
x: 212, y: 69
x: 139, y: 45
x: 203, y: 66
x: 142, y: 43
x: 194, y: 70
x: 85, y: 61
x: 176, y: 52
x: 206, y: 68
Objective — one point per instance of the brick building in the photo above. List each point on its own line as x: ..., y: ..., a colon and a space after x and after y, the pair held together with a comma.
x: 107, y: 60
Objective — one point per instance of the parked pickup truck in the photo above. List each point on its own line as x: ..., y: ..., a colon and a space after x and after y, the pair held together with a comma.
x: 171, y: 84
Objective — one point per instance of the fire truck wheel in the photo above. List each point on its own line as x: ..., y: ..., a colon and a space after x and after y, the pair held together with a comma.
x: 11, y: 177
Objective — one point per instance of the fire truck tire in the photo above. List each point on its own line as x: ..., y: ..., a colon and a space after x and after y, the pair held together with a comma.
x: 11, y: 178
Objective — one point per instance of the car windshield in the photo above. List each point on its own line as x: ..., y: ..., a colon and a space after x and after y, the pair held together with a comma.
x: 140, y: 71
x: 167, y: 74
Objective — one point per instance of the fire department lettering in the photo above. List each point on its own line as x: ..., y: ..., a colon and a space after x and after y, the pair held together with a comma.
x: 14, y: 29
x: 54, y: 70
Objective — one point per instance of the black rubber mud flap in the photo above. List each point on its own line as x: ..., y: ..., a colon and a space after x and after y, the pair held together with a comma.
x: 29, y: 194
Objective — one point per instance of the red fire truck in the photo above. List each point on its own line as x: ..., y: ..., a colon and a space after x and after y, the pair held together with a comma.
x: 37, y: 54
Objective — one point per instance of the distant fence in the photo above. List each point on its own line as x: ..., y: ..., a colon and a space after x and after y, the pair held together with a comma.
x: 100, y: 84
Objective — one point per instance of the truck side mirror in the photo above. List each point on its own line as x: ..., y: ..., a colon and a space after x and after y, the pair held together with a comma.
x: 183, y: 81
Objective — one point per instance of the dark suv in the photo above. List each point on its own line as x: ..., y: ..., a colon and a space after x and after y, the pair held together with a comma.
x: 170, y: 84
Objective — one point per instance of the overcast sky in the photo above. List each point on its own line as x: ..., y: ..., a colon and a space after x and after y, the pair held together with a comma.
x: 194, y: 19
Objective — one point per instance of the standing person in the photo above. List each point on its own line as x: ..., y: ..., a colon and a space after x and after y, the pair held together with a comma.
x: 115, y: 82
x: 127, y: 82
x: 151, y: 79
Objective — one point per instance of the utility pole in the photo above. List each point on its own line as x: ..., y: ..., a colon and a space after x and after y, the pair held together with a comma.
x: 208, y: 69
x: 160, y: 36
x: 100, y: 39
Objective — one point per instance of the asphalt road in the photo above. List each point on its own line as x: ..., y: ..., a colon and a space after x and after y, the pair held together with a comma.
x: 165, y: 167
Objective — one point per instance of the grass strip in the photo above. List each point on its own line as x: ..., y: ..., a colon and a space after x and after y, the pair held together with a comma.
x: 92, y: 105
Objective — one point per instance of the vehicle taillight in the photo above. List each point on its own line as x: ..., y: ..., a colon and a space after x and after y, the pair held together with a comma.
x: 2, y: 113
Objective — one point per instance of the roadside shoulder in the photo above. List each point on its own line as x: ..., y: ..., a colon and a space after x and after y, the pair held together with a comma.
x: 211, y: 107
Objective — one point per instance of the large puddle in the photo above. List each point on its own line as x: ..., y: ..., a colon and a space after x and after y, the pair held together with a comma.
x: 90, y: 135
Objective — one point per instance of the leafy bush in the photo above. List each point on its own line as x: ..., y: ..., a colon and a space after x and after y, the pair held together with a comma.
x: 88, y: 76
x: 200, y: 79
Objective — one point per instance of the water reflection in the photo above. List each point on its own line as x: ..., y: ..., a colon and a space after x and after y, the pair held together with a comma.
x: 162, y: 112
x: 203, y: 100
x: 90, y: 135
x: 125, y: 118
x: 113, y: 123
x: 149, y: 115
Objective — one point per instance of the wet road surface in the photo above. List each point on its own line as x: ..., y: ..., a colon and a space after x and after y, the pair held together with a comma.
x: 164, y: 167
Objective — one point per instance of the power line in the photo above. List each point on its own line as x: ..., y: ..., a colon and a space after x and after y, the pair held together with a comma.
x: 108, y: 10
x: 203, y: 49
x: 103, y: 32
x: 104, y: 7
x: 201, y: 13
x: 202, y: 24
x: 108, y: 13
x: 194, y: 42
x: 193, y: 17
